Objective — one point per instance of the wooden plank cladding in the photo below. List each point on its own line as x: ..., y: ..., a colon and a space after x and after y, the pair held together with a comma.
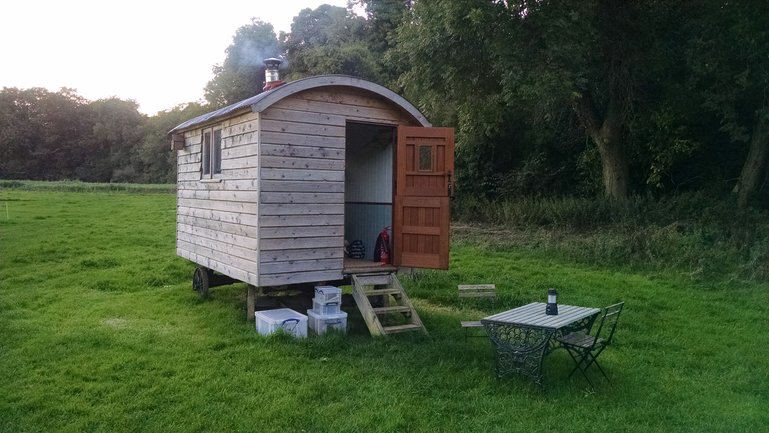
x: 291, y: 255
x: 217, y: 219
x: 303, y: 175
x: 275, y: 214
x: 268, y: 137
x: 302, y: 179
x: 302, y: 163
x: 303, y: 129
x: 302, y: 197
x: 300, y: 220
x: 297, y: 151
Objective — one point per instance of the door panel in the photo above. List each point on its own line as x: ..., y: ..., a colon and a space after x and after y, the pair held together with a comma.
x: 424, y: 169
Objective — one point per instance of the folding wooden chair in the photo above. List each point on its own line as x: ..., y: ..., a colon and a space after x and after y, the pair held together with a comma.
x: 584, y: 349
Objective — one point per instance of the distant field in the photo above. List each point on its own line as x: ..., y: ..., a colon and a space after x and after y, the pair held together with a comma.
x: 101, y: 332
x: 77, y: 186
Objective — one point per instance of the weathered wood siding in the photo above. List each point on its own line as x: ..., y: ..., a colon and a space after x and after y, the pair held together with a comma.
x: 275, y: 215
x: 217, y: 219
x: 301, y: 211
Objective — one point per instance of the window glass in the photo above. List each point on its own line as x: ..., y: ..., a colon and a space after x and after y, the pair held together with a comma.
x: 216, y: 152
x: 425, y: 158
x: 206, y: 160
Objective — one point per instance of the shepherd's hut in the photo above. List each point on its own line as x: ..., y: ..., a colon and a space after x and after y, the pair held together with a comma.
x: 271, y: 189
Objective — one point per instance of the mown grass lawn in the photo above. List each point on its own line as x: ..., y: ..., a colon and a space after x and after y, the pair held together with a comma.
x: 100, y: 332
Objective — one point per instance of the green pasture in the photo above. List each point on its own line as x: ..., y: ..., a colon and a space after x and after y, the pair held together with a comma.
x: 101, y: 332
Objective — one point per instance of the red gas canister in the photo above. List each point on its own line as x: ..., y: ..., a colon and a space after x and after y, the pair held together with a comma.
x: 383, y: 247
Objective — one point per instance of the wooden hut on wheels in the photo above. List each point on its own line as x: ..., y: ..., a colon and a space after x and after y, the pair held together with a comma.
x: 270, y: 190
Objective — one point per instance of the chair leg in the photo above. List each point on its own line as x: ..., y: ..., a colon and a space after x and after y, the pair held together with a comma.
x: 576, y: 362
x: 583, y: 356
x: 594, y: 360
x: 589, y: 382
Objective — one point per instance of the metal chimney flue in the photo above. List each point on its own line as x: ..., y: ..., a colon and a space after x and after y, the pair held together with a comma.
x: 272, y: 74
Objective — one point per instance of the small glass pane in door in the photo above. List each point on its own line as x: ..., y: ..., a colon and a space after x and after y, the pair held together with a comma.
x: 425, y: 158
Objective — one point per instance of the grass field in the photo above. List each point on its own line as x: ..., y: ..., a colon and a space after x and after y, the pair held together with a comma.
x: 101, y: 332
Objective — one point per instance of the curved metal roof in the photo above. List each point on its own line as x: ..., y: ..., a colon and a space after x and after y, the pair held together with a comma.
x: 263, y: 100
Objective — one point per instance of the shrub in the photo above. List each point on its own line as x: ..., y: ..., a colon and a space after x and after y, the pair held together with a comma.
x: 697, y: 233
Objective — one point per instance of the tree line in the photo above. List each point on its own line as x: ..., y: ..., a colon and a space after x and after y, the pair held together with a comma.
x: 549, y: 97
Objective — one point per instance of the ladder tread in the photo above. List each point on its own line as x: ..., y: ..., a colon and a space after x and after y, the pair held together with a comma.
x: 393, y: 309
x: 373, y: 280
x: 401, y: 328
x: 379, y: 292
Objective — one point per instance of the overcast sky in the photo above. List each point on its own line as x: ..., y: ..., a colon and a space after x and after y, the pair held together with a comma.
x: 158, y: 53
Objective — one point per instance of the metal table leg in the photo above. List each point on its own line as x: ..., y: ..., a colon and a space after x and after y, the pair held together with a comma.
x: 519, y: 350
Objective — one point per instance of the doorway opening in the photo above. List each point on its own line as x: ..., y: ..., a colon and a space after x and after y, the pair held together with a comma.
x: 368, y: 197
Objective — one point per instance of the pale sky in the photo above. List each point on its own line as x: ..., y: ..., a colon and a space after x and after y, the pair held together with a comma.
x: 158, y: 53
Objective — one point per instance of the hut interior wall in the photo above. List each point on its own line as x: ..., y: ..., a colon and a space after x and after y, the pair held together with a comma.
x: 369, y: 182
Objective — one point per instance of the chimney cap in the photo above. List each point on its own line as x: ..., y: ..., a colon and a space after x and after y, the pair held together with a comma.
x: 273, y: 62
x: 271, y: 74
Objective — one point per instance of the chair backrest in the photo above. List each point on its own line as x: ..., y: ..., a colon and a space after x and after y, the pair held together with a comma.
x: 608, y: 323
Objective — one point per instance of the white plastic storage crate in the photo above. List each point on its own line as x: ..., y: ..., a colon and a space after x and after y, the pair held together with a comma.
x: 323, y: 308
x: 322, y: 323
x: 326, y: 294
x: 290, y: 321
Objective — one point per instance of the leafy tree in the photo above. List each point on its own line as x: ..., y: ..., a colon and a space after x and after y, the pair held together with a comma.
x: 727, y: 56
x: 66, y: 120
x: 242, y: 73
x: 59, y: 135
x: 383, y: 17
x: 664, y: 131
x: 157, y: 162
x: 457, y: 57
x: 548, y: 96
x: 43, y: 135
x: 328, y: 40
x: 20, y: 132
x: 592, y: 64
x: 117, y: 131
x: 586, y: 56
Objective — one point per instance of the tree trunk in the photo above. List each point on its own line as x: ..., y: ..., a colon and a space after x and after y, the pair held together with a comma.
x: 606, y: 134
x: 755, y: 162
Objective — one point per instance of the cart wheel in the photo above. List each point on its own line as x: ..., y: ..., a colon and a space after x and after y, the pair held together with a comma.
x: 200, y: 282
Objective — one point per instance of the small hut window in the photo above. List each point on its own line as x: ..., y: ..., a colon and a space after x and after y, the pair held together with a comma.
x: 211, y: 161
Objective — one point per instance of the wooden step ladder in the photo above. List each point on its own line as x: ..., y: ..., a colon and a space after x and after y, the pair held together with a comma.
x: 393, y: 307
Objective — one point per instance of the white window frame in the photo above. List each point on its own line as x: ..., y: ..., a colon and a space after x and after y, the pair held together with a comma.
x: 211, y: 153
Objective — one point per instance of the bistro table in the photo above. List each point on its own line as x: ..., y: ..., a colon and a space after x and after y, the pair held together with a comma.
x: 522, y: 336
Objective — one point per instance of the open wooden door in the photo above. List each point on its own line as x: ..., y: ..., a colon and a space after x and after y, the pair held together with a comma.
x: 424, y: 166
